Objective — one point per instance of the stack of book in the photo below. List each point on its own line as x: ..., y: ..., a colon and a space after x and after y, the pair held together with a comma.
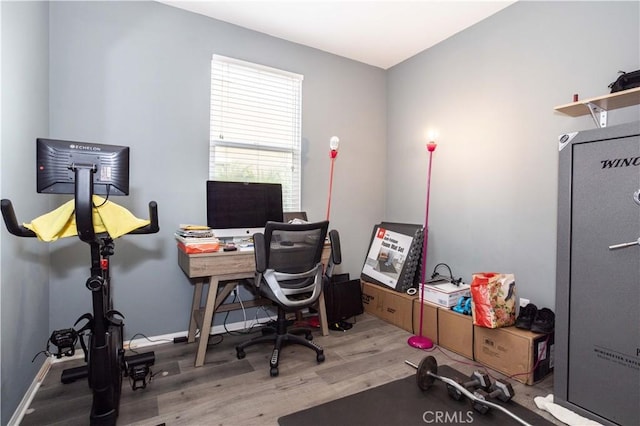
x: 196, y: 239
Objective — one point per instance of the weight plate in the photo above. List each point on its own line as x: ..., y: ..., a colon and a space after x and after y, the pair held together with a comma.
x: 423, y: 378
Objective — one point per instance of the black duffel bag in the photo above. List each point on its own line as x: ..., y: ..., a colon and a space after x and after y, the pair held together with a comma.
x: 627, y: 80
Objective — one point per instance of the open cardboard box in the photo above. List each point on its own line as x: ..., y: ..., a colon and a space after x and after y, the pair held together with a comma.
x: 390, y: 305
x: 455, y: 332
x: 509, y: 350
x: 519, y: 354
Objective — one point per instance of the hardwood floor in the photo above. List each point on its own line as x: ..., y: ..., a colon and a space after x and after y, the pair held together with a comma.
x: 228, y: 391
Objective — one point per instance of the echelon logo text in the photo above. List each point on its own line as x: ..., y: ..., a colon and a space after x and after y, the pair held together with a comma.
x: 85, y: 147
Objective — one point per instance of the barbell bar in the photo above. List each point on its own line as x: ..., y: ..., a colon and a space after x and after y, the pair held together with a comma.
x: 427, y: 374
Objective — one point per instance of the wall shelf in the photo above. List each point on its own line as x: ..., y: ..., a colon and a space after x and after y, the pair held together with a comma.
x: 599, y: 106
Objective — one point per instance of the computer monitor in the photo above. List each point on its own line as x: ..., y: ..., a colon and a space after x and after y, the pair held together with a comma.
x: 55, y: 174
x: 240, y: 209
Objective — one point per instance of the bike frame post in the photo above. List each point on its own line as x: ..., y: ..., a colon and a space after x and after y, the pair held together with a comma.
x: 104, y: 409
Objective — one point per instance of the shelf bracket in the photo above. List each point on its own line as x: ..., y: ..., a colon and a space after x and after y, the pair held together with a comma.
x: 598, y: 114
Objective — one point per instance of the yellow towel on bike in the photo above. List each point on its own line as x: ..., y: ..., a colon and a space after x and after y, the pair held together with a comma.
x: 107, y: 217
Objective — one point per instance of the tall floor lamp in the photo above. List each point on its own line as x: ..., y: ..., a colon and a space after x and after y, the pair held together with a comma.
x: 420, y: 341
x: 333, y: 153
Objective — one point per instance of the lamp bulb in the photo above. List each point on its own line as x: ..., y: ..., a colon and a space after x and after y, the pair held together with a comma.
x: 334, y: 142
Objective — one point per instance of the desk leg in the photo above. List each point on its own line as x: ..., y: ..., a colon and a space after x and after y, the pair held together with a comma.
x: 195, y: 307
x: 322, y: 315
x: 209, y: 307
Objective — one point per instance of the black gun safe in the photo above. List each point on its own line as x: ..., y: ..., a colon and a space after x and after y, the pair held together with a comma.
x: 597, y: 366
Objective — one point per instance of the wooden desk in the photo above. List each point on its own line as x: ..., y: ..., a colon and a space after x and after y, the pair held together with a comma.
x: 211, y: 269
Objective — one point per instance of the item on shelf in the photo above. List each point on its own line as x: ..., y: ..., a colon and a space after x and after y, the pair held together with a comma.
x: 626, y: 80
x: 493, y: 299
x: 195, y: 231
x: 436, y: 276
x: 463, y: 306
x: 195, y: 248
x: 394, y: 255
x: 526, y: 316
x: 194, y: 239
x: 544, y: 322
x: 444, y: 293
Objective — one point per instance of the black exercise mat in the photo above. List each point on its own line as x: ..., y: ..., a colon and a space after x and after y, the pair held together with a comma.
x: 403, y: 403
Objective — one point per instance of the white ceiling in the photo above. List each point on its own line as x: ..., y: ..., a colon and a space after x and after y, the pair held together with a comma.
x: 381, y: 33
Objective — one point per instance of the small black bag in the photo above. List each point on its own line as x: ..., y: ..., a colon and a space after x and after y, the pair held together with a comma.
x: 627, y: 80
x: 343, y: 299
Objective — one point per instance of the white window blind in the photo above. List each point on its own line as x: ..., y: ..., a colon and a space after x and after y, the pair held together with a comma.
x: 256, y: 126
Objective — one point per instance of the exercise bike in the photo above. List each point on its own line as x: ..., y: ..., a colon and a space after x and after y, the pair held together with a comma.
x: 106, y: 363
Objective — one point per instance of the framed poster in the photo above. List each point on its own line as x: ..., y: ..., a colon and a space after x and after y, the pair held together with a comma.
x: 394, y: 255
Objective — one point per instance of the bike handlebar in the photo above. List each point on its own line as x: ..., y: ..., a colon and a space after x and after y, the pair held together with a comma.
x: 15, y: 228
x: 10, y: 220
x: 154, y: 226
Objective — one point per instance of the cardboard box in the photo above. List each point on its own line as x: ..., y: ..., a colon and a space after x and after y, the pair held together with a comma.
x: 445, y: 294
x: 389, y: 305
x: 515, y: 352
x: 455, y: 332
x: 429, y: 320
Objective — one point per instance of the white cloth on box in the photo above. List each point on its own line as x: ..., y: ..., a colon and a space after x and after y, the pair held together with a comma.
x: 561, y: 413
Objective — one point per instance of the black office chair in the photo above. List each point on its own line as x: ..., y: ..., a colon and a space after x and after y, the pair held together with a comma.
x: 289, y: 272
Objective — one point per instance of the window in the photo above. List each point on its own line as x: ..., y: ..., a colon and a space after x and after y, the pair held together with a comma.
x: 256, y: 126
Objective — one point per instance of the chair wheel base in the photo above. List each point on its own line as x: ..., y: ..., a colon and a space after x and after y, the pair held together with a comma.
x: 320, y: 358
x: 240, y: 354
x: 274, y: 371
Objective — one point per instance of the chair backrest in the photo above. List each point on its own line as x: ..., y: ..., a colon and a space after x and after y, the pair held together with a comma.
x: 288, y: 260
x: 294, y: 248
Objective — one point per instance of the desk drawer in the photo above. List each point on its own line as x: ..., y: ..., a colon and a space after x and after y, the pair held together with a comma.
x: 218, y: 264
x: 224, y: 265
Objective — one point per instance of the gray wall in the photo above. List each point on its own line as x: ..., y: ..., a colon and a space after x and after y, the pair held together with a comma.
x: 24, y: 274
x: 138, y: 74
x: 490, y: 92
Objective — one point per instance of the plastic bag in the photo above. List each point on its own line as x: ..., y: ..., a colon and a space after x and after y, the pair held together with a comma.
x: 493, y: 297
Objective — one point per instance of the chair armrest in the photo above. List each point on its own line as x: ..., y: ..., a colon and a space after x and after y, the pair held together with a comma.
x: 336, y: 254
x: 260, y: 252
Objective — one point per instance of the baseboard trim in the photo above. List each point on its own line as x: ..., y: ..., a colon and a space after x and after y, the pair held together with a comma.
x: 22, y: 408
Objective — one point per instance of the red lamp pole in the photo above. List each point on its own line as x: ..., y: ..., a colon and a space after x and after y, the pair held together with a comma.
x: 420, y: 341
x: 333, y: 153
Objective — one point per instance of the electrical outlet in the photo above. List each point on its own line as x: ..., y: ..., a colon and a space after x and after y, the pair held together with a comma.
x: 524, y: 302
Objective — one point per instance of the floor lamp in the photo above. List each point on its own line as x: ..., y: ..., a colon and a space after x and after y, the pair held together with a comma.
x: 420, y: 341
x: 333, y: 153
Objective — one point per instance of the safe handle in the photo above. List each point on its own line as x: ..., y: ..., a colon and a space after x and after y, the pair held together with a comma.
x: 625, y: 245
